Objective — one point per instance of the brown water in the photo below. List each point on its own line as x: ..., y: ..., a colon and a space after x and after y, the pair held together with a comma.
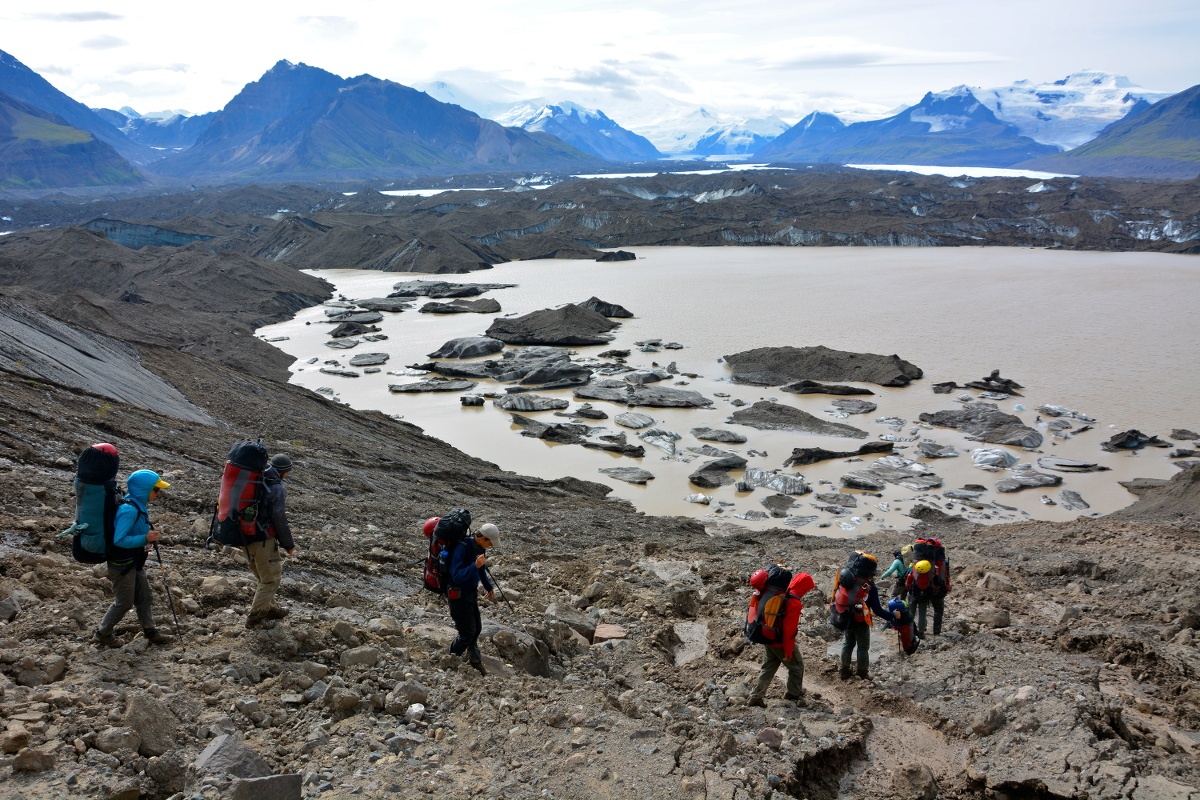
x: 1111, y: 335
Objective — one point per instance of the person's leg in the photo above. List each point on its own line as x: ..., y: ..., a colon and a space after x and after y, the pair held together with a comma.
x: 267, y: 566
x: 770, y: 665
x: 473, y: 653
x: 862, y: 634
x: 922, y: 607
x: 795, y: 681
x: 939, y: 605
x: 142, y: 599
x: 460, y: 612
x: 123, y: 585
x: 848, y: 642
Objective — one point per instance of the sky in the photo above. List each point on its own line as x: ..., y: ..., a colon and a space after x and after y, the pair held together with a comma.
x: 751, y: 58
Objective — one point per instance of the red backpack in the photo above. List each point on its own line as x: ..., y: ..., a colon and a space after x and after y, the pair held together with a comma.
x: 241, y: 493
x: 444, y: 535
x: 931, y: 550
x: 764, y: 618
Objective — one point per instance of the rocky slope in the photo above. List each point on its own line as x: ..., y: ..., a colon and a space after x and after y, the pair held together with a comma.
x: 1067, y: 666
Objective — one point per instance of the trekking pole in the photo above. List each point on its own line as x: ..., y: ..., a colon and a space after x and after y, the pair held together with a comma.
x: 496, y: 583
x: 170, y: 597
x: 212, y: 529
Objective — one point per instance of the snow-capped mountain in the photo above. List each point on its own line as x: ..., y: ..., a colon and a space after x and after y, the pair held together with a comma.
x: 161, y: 130
x: 682, y: 131
x: 742, y: 137
x: 1068, y: 112
x: 588, y: 129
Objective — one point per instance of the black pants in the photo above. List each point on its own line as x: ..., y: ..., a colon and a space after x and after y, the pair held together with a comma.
x: 939, y: 604
x: 857, y: 637
x: 465, y: 613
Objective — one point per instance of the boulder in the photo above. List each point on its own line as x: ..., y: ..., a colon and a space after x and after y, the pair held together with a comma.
x: 357, y: 317
x: 616, y: 391
x: 713, y: 474
x: 432, y: 385
x: 781, y: 482
x: 522, y: 651
x: 154, y: 722
x: 228, y: 756
x: 393, y: 305
x: 897, y: 470
x: 815, y: 387
x: 1132, y: 440
x: 582, y: 624
x: 443, y: 289
x: 529, y: 402
x: 9, y: 609
x: 369, y: 359
x: 1024, y: 476
x: 718, y: 435
x: 914, y: 781
x: 570, y: 325
x: 632, y: 419
x: 766, y: 415
x: 606, y: 309
x: 985, y: 422
x: 365, y: 656
x: 803, y: 456
x: 854, y: 406
x: 628, y: 474
x: 33, y: 759
x: 931, y: 449
x: 773, y: 366
x: 110, y: 740
x: 585, y: 411
x: 39, y: 670
x: 778, y: 505
x: 617, y: 255
x: 484, y: 305
x: 468, y: 347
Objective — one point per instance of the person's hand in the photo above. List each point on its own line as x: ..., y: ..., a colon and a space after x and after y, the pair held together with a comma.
x: 491, y: 595
x: 152, y: 536
x: 480, y: 560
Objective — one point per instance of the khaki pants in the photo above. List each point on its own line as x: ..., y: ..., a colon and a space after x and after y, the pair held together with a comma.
x: 267, y: 567
x: 772, y: 660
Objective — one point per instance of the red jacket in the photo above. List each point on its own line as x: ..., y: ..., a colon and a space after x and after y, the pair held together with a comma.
x: 802, y: 583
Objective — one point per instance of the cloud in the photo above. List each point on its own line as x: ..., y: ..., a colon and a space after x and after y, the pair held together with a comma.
x: 77, y: 16
x: 104, y: 43
x: 601, y: 77
x: 133, y: 69
x: 663, y: 56
x: 847, y: 53
x: 336, y: 27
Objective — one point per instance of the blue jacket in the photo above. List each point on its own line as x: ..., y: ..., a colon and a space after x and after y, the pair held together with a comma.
x: 132, y: 522
x: 464, y: 575
x: 897, y: 568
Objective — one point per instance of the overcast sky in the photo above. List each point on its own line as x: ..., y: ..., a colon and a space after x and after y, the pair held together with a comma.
x: 750, y: 57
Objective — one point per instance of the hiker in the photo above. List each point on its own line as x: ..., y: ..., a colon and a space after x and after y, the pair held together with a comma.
x: 855, y: 597
x: 783, y: 652
x: 272, y: 531
x: 132, y: 536
x: 898, y: 569
x: 468, y: 568
x: 900, y: 619
x: 927, y: 588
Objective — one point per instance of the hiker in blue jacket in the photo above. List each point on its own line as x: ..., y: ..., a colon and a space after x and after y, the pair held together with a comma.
x: 467, y: 570
x: 132, y: 536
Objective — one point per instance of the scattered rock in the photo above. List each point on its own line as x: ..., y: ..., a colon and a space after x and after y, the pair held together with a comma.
x: 766, y: 415
x: 773, y: 366
x: 985, y: 422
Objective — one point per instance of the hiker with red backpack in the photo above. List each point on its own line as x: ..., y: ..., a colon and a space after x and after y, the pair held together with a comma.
x: 456, y: 565
x: 773, y: 620
x: 271, y: 532
x: 929, y: 582
x: 854, y: 598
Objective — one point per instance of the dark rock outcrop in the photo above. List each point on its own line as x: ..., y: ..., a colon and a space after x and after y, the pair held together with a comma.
x: 773, y: 366
x: 606, y: 309
x: 616, y: 391
x: 468, y: 347
x: 618, y: 255
x: 718, y: 435
x: 985, y: 422
x: 570, y: 325
x: 816, y: 387
x: 713, y: 474
x: 484, y: 305
x: 802, y: 456
x: 769, y: 416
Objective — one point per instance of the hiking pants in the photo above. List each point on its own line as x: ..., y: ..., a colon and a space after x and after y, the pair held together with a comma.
x: 939, y: 604
x: 465, y: 612
x: 267, y: 567
x: 772, y: 660
x: 858, y: 634
x: 131, y: 589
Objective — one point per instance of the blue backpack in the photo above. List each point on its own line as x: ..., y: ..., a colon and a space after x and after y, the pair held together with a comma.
x: 96, y: 500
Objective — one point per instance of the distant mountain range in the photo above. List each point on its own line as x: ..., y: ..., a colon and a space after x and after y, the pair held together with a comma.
x: 1162, y: 140
x: 299, y: 122
x: 949, y: 128
x: 587, y: 129
x: 39, y: 150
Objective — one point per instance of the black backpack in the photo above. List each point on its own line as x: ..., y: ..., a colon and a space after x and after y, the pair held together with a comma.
x: 449, y: 531
x: 241, y: 496
x: 96, y: 501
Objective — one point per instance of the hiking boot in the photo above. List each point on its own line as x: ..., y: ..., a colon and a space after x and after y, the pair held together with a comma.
x: 758, y: 702
x: 154, y: 637
x: 254, y: 621
x: 844, y: 673
x: 275, y: 612
x: 798, y: 699
x: 474, y: 656
x: 106, y: 639
x: 478, y: 665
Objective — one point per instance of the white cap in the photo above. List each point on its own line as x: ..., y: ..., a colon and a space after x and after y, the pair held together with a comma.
x: 491, y: 533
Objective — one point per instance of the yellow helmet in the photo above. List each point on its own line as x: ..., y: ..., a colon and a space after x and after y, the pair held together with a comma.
x: 922, y: 567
